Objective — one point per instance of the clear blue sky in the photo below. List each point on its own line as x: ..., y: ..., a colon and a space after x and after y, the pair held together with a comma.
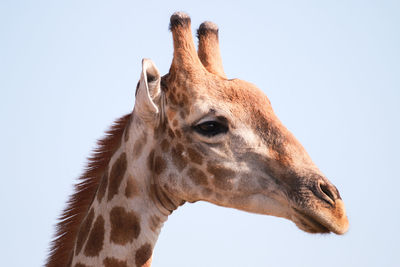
x: 330, y: 68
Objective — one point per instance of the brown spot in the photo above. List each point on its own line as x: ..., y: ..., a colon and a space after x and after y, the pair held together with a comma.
x: 150, y: 160
x: 103, y: 186
x: 188, y: 138
x: 171, y: 114
x: 96, y: 238
x: 131, y: 188
x: 143, y: 255
x: 206, y: 192
x: 175, y: 123
x: 178, y: 134
x: 186, y: 110
x: 197, y: 176
x: 185, y: 99
x: 125, y: 226
x: 195, y: 156
x: 178, y: 158
x: 80, y: 265
x: 159, y: 131
x: 171, y: 133
x: 165, y: 145
x: 222, y: 176
x: 138, y: 146
x: 113, y: 262
x: 154, y: 222
x: 84, y: 231
x: 159, y: 165
x: 127, y: 128
x: 69, y: 264
x: 116, y: 175
x: 182, y: 114
x: 172, y: 99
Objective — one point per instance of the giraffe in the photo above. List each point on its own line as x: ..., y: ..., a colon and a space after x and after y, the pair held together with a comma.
x: 193, y: 135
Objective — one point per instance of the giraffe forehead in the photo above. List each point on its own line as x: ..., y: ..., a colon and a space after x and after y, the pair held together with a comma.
x: 236, y: 99
x: 245, y: 97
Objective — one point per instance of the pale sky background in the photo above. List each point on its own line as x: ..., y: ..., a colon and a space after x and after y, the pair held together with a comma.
x: 330, y: 68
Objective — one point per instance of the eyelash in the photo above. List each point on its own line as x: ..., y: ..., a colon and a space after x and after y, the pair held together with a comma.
x: 211, y: 128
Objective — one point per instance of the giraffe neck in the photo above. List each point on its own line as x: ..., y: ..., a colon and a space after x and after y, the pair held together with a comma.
x: 125, y: 218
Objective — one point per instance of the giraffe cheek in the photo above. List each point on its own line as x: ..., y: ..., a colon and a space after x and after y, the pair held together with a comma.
x: 222, y: 176
x: 159, y: 165
x: 197, y: 176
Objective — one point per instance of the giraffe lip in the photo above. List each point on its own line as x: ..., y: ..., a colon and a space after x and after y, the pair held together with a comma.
x: 310, y: 223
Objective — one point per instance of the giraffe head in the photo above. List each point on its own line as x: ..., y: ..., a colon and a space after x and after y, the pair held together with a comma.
x: 218, y: 140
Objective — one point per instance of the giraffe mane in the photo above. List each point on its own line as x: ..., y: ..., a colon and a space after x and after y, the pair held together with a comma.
x: 84, y: 191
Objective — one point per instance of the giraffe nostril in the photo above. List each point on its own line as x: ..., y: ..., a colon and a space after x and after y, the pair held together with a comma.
x: 327, y: 192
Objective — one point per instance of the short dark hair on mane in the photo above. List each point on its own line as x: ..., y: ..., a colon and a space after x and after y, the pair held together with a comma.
x: 79, y: 202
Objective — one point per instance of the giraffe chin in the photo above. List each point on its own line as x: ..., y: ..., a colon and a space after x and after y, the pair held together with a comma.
x: 321, y: 221
x: 309, y: 224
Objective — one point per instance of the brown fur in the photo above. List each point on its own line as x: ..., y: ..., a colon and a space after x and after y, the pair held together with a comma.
x: 165, y: 145
x: 131, y: 189
x: 78, y: 204
x: 150, y: 160
x: 172, y: 99
x: 84, y: 231
x: 159, y: 165
x: 197, y: 176
x: 170, y: 112
x: 171, y: 133
x: 81, y: 265
x: 116, y: 175
x: 206, y: 192
x: 143, y: 254
x: 127, y: 130
x: 185, y: 100
x: 195, y: 156
x: 113, y: 262
x: 182, y: 114
x: 95, y: 241
x: 138, y: 146
x: 103, y: 186
x: 179, y: 160
x: 222, y: 176
x: 125, y: 226
x: 178, y: 134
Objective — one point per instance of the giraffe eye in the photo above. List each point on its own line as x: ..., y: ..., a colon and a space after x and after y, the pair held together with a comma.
x: 211, y: 128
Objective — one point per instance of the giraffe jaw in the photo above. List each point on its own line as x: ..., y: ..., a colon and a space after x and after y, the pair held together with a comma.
x: 309, y: 224
x: 322, y: 220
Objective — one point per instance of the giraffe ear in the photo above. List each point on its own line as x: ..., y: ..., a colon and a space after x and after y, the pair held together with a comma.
x: 148, y: 91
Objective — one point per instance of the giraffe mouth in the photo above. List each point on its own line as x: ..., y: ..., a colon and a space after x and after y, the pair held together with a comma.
x: 310, y: 223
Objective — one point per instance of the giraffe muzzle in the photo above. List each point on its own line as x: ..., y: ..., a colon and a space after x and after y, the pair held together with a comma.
x: 324, y: 211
